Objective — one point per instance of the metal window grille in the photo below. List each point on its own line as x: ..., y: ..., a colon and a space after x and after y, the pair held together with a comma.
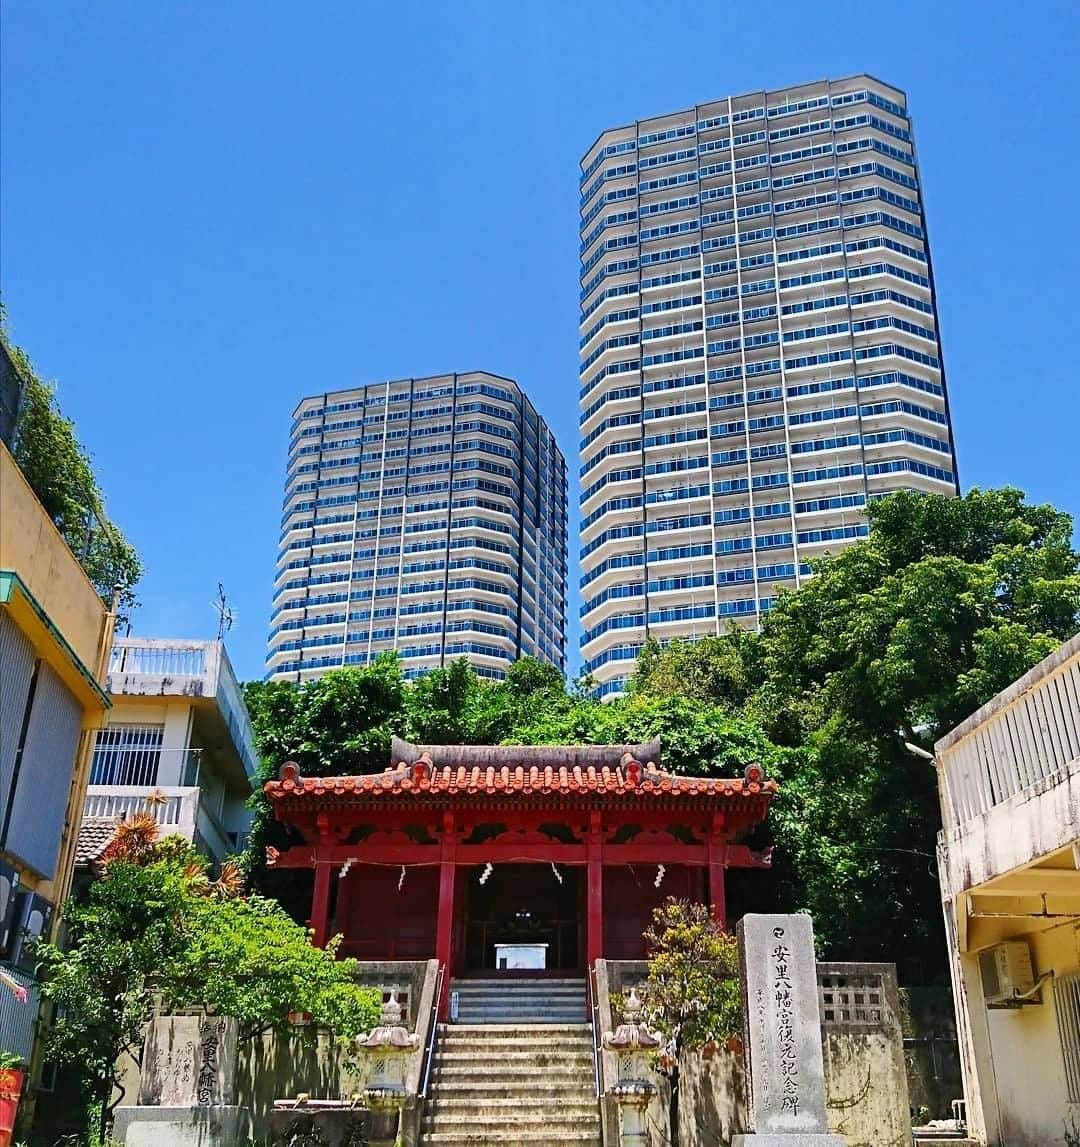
x: 18, y: 1021
x: 127, y: 755
x: 1067, y: 1006
x: 852, y: 1000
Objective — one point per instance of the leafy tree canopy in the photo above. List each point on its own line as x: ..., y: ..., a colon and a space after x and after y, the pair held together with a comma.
x: 156, y: 925
x: 61, y: 474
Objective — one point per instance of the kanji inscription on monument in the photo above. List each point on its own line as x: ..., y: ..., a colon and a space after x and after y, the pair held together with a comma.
x: 783, y: 1031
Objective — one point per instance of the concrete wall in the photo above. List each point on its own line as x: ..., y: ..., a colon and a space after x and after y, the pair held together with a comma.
x: 282, y: 1064
x: 865, y: 1077
x: 31, y: 546
x: 931, y: 1051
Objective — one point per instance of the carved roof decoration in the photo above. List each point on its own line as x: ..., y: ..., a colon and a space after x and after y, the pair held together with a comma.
x: 512, y: 770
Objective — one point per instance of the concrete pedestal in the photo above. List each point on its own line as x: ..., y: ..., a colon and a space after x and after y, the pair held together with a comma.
x: 218, y: 1126
x: 792, y: 1139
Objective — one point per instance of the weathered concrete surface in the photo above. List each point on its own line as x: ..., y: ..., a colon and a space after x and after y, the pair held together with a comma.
x: 713, y: 1110
x: 789, y: 1139
x: 189, y: 1060
x: 182, y: 1126
x: 284, y: 1064
x: 327, y: 1128
x: 931, y: 1051
x: 863, y: 1046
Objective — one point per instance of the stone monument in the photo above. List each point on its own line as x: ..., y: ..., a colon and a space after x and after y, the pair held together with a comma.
x: 187, y: 1092
x: 782, y: 1033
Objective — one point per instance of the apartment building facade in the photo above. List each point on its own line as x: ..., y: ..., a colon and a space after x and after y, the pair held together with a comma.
x: 760, y: 355
x: 426, y: 516
x: 178, y: 745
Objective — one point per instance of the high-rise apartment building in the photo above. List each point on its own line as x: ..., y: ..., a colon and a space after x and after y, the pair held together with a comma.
x: 425, y: 515
x: 760, y: 355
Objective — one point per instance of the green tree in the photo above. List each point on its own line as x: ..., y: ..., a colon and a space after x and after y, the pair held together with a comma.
x: 721, y: 670
x: 691, y: 996
x: 337, y: 724
x: 155, y: 925
x: 908, y: 631
x: 61, y: 474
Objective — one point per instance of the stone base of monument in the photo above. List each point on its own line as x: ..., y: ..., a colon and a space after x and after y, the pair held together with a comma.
x: 328, y: 1124
x: 218, y: 1126
x: 790, y: 1139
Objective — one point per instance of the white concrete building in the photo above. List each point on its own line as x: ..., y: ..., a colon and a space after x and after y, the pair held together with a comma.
x: 426, y: 516
x: 1008, y: 859
x: 178, y: 732
x: 759, y: 354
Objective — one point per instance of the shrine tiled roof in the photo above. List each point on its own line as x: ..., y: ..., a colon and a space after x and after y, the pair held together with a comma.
x: 424, y: 778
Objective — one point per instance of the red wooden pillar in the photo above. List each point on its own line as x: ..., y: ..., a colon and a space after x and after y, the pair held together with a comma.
x: 320, y: 903
x: 444, y: 928
x: 594, y: 918
x: 717, y: 868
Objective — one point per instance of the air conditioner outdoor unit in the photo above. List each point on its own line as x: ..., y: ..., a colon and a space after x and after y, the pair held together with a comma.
x: 1007, y: 974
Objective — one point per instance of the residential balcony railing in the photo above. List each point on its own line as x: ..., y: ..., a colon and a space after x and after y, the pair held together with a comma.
x: 1026, y: 736
x: 179, y: 810
x: 145, y: 767
x: 158, y: 659
x: 171, y: 807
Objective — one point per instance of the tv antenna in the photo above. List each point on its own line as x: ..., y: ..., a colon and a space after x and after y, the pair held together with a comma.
x: 224, y: 612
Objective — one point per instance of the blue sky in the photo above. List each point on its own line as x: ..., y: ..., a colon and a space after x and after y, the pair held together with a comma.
x: 210, y: 210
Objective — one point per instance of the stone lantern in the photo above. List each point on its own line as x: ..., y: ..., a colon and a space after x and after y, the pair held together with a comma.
x: 633, y: 1044
x: 386, y: 1052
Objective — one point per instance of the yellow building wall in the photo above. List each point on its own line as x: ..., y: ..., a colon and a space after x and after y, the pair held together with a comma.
x: 1026, y: 1055
x: 31, y: 546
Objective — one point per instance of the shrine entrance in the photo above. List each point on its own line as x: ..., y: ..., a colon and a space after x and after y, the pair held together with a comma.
x: 523, y: 920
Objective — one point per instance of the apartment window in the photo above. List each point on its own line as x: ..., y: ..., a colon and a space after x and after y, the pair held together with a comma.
x: 127, y: 755
x: 1067, y: 1006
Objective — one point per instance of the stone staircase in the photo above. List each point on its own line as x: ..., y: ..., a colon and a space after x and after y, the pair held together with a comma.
x: 513, y: 1080
x: 519, y: 1001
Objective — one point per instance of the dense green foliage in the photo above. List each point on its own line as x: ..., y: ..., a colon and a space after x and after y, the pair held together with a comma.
x: 155, y: 925
x: 691, y: 997
x: 896, y: 638
x: 61, y: 474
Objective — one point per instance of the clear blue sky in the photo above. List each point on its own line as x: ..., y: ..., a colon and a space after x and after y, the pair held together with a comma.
x: 210, y: 210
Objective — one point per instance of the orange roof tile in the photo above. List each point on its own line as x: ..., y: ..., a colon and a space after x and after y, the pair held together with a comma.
x: 422, y: 779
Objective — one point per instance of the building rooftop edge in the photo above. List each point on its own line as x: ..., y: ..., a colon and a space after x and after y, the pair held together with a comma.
x: 739, y: 96
x: 410, y: 378
x: 11, y: 582
x: 1012, y: 693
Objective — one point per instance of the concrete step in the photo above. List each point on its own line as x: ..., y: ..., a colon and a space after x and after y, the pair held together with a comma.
x: 492, y: 1069
x: 510, y: 1138
x: 484, y: 1122
x: 456, y: 1087
x: 510, y: 1059
x: 585, y: 1101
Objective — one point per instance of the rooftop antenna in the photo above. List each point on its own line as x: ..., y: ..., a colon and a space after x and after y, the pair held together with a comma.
x: 224, y: 612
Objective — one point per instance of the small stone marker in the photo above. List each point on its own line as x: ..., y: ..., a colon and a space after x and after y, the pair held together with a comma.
x: 782, y: 1025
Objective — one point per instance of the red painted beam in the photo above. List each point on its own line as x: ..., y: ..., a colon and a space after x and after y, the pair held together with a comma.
x: 693, y: 855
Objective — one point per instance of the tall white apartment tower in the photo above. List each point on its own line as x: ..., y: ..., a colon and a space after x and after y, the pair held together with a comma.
x: 422, y: 515
x: 760, y: 355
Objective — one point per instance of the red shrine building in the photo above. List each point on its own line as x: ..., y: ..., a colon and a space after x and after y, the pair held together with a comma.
x: 501, y: 858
